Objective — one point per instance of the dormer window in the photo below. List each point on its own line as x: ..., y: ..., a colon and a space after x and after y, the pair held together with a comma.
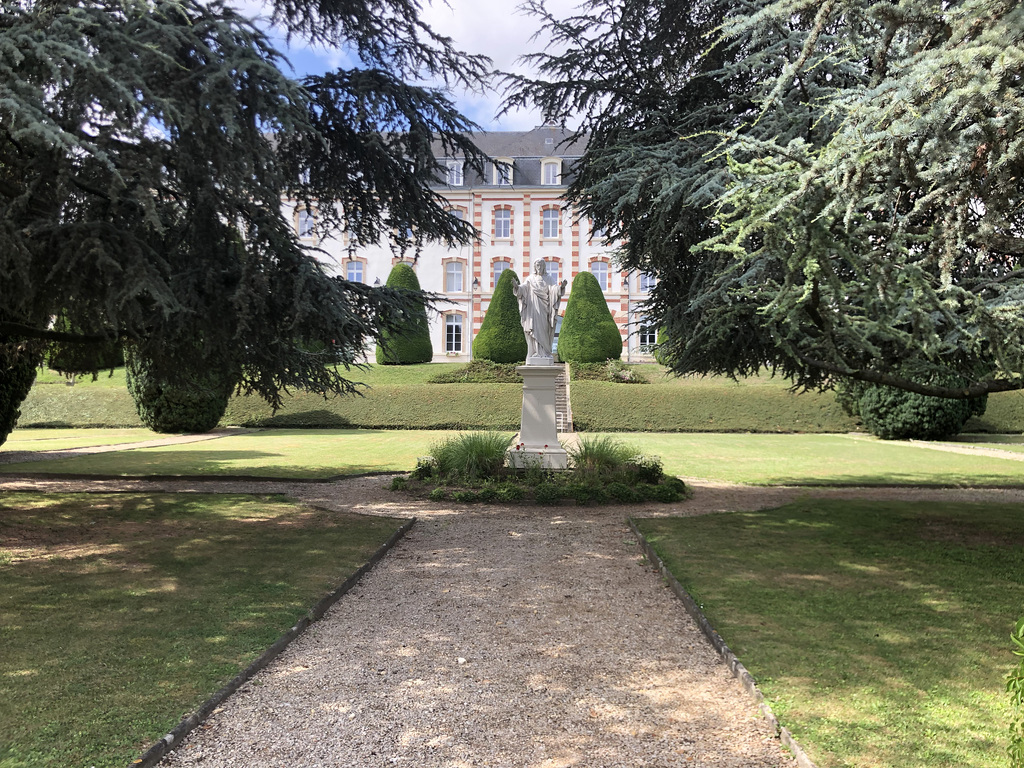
x: 503, y: 172
x: 454, y: 176
x: 551, y: 173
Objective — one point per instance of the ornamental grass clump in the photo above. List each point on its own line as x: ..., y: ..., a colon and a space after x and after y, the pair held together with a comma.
x: 599, y: 455
x: 471, y: 457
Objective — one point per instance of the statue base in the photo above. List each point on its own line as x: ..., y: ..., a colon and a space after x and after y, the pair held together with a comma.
x: 538, y: 436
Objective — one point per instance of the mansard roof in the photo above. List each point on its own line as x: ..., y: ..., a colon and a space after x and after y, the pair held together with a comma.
x: 526, y: 149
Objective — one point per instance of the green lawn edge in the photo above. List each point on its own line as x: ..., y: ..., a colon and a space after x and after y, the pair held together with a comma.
x: 877, y: 631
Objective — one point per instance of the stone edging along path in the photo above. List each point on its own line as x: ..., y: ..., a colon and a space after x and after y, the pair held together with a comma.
x: 155, y: 753
x: 737, y: 668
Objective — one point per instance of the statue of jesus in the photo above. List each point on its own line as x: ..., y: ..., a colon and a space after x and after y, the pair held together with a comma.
x: 538, y: 312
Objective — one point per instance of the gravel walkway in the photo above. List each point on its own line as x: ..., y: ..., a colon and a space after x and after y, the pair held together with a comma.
x: 518, y: 637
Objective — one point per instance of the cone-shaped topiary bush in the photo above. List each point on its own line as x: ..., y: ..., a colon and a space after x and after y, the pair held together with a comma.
x: 413, y: 345
x: 501, y: 338
x: 187, y: 401
x: 17, y: 372
x: 589, y: 333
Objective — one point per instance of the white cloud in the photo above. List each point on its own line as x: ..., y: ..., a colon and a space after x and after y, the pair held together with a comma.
x: 490, y: 27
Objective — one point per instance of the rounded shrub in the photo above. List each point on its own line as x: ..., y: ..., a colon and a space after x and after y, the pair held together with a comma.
x: 589, y: 333
x: 501, y: 338
x: 412, y: 344
x: 183, y: 401
x: 17, y: 372
x: 895, y: 414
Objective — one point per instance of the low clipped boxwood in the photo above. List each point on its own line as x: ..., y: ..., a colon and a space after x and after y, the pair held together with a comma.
x: 589, y: 333
x: 501, y: 338
x: 190, y: 401
x: 412, y: 345
x: 17, y: 372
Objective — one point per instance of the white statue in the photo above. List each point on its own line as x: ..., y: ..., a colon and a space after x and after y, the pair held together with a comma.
x: 538, y: 311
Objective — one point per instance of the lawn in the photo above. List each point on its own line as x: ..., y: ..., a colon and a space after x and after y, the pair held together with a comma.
x: 120, y: 613
x: 301, y: 454
x: 879, y: 632
x: 63, y: 439
x: 759, y: 459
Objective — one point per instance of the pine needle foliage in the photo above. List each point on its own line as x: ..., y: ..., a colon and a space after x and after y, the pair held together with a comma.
x: 146, y: 147
x: 832, y: 190
x: 409, y: 342
x: 501, y: 338
x: 589, y: 333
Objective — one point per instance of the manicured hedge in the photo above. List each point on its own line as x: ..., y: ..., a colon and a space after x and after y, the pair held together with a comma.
x: 190, y: 402
x: 414, y: 345
x: 501, y: 338
x: 589, y: 333
x: 402, y: 397
x: 895, y: 414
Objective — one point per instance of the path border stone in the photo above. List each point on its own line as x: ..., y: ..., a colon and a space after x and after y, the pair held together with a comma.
x: 731, y: 661
x: 157, y: 751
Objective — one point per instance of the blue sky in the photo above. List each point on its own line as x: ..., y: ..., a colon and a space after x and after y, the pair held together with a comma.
x: 491, y: 27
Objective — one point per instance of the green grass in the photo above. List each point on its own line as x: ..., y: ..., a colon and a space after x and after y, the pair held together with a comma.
x: 284, y: 453
x: 120, y: 613
x: 759, y: 459
x: 879, y: 632
x: 401, y: 397
x: 64, y: 439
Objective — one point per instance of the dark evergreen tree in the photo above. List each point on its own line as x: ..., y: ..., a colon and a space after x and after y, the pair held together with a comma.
x: 408, y: 342
x: 589, y: 333
x: 139, y: 138
x: 832, y: 190
x: 18, y: 366
x: 501, y: 338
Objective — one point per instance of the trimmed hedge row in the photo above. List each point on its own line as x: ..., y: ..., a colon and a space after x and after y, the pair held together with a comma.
x: 693, y: 405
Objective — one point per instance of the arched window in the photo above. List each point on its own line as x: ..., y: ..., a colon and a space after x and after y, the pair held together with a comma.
x: 454, y: 177
x: 550, y: 219
x: 599, y: 269
x: 503, y: 171
x: 503, y: 223
x: 499, y: 266
x: 453, y: 277
x: 453, y: 333
x: 354, y: 271
x: 304, y: 223
x: 551, y: 275
x: 551, y: 172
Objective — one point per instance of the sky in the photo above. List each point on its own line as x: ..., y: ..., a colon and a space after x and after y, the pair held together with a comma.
x: 491, y: 27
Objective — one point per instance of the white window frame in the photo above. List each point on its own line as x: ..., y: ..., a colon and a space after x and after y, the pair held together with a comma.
x: 453, y: 333
x: 552, y: 271
x: 454, y: 176
x: 355, y: 266
x: 645, y: 282
x: 504, y: 264
x: 647, y: 335
x: 551, y: 173
x: 551, y: 217
x: 504, y: 216
x: 454, y: 277
x: 504, y: 169
x: 599, y: 269
x: 305, y: 223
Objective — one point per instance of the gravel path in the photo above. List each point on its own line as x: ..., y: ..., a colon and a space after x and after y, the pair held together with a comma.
x: 518, y: 637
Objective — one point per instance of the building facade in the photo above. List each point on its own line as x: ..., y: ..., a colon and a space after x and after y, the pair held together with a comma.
x: 517, y: 207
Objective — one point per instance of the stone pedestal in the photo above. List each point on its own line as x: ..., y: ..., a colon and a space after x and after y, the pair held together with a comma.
x: 539, y: 433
